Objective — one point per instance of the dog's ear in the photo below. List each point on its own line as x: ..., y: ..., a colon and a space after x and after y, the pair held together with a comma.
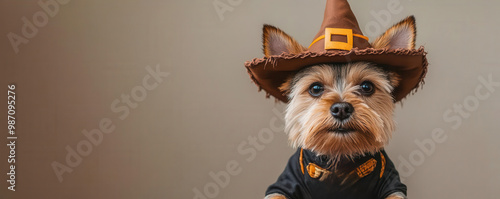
x: 401, y: 35
x: 275, y: 42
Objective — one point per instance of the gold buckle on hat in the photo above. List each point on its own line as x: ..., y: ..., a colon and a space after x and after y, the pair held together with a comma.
x: 329, y: 44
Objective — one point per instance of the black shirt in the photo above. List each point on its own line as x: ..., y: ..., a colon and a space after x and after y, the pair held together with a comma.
x: 310, y: 176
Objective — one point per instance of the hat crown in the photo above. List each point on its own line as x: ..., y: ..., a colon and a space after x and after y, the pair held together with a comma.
x: 339, y: 30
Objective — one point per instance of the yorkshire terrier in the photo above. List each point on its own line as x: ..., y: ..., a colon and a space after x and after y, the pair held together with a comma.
x: 340, y: 116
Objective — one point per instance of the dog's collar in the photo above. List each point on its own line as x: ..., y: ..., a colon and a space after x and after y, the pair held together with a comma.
x: 318, y: 166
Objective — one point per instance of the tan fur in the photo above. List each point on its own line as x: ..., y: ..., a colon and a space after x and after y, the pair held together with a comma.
x: 285, y: 87
x: 275, y: 42
x: 275, y: 196
x: 401, y: 35
x: 395, y: 78
x: 394, y: 197
x: 308, y: 119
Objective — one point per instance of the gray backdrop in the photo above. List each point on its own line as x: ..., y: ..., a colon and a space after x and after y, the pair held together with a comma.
x: 177, y: 116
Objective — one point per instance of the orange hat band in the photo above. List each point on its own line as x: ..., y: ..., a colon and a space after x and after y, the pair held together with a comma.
x: 329, y: 44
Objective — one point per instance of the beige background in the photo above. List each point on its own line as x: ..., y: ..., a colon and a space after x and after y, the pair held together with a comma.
x: 192, y: 124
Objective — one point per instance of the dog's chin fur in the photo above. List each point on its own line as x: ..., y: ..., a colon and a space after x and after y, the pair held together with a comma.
x: 310, y: 125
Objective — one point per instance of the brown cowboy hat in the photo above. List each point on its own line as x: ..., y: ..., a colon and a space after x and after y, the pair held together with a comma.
x: 340, y: 40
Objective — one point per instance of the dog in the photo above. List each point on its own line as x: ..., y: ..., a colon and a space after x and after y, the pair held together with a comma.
x: 342, y: 116
x: 340, y: 95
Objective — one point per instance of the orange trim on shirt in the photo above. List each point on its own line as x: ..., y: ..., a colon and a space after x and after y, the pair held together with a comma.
x: 382, y: 157
x: 301, y: 158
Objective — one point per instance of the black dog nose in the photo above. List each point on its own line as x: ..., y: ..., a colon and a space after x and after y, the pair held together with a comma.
x: 341, y: 110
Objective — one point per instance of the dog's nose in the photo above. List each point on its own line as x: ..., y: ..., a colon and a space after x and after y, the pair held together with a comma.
x: 341, y: 110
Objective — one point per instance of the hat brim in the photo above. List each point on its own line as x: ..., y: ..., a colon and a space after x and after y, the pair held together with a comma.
x: 269, y: 73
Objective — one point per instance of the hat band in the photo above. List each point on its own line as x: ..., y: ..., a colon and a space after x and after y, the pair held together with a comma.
x: 329, y: 44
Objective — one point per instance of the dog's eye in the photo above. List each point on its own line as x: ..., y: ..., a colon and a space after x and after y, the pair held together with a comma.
x: 367, y: 88
x: 316, y: 89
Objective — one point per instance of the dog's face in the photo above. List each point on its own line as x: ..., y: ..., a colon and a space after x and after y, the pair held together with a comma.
x: 340, y: 110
